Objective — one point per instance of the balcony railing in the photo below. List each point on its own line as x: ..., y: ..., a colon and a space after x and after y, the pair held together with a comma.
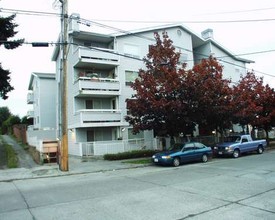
x: 30, y: 98
x: 98, y: 118
x: 30, y: 114
x: 114, y: 146
x: 86, y: 86
x: 97, y: 56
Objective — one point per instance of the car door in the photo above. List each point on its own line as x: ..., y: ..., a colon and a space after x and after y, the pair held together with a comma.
x: 198, y: 151
x: 245, y: 145
x: 187, y: 152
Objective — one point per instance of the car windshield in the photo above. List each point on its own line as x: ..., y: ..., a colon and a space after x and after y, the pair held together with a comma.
x: 176, y: 147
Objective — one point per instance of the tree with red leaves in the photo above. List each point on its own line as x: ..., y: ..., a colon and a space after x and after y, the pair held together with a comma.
x: 255, y: 103
x: 209, y: 95
x: 158, y: 104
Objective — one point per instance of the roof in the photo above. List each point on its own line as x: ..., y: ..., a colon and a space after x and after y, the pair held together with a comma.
x: 197, y: 40
x: 228, y: 52
x: 83, y: 35
x: 40, y: 75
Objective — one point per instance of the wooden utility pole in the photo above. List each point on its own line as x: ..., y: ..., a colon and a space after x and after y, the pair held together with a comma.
x: 64, y: 165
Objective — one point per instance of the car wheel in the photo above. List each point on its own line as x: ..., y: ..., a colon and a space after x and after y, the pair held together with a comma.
x: 260, y: 150
x: 236, y: 153
x: 176, y: 162
x: 204, y: 158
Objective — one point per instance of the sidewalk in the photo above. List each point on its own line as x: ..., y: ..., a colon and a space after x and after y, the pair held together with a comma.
x: 76, y: 166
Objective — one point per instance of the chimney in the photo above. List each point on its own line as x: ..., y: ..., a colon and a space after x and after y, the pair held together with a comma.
x: 207, y: 34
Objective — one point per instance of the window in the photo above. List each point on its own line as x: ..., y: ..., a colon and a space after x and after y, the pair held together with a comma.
x: 131, y: 50
x: 199, y: 145
x: 90, y: 136
x: 89, y: 104
x: 188, y: 146
x: 130, y: 77
x: 100, y: 104
x: 244, y: 140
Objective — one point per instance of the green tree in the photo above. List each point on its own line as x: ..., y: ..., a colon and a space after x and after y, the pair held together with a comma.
x: 12, y: 120
x: 7, y: 31
x: 26, y: 120
x: 4, y: 115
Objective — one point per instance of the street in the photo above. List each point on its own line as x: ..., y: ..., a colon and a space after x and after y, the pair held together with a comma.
x: 223, y: 188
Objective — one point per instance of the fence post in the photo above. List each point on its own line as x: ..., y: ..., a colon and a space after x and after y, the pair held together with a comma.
x: 80, y: 150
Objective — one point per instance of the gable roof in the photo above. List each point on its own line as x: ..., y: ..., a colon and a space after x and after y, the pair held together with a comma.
x: 197, y: 40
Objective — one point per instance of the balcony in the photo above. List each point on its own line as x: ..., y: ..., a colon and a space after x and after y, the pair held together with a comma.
x: 30, y: 114
x: 98, y: 118
x: 30, y: 98
x: 98, y: 57
x: 87, y: 87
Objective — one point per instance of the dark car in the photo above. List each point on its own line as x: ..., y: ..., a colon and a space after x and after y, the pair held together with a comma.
x: 187, y: 152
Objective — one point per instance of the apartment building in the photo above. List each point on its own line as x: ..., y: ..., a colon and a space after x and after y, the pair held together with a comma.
x: 42, y: 100
x: 100, y: 68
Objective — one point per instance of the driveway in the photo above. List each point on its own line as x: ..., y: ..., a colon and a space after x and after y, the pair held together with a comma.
x: 25, y: 160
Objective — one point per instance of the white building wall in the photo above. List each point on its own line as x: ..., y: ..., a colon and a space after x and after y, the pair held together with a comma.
x: 139, y: 45
x: 233, y: 69
x: 47, y: 103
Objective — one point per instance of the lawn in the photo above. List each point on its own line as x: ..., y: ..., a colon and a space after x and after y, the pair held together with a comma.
x: 139, y: 161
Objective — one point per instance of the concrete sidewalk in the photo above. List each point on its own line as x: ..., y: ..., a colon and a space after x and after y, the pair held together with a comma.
x: 76, y: 166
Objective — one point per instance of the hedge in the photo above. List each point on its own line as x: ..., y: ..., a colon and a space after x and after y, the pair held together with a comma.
x: 129, y: 155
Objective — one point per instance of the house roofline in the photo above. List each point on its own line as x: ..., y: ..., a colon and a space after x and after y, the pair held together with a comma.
x: 40, y: 75
x: 193, y: 34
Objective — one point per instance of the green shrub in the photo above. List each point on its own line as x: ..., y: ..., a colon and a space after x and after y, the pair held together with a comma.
x: 129, y: 155
x: 11, y: 157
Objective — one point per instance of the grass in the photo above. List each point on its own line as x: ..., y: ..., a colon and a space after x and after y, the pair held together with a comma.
x: 12, y: 160
x: 139, y: 161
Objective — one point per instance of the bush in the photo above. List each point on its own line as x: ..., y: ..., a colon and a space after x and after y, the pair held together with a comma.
x: 129, y: 155
x: 11, y: 157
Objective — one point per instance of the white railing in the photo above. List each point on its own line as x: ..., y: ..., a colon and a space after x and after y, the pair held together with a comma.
x: 30, y: 98
x: 111, y: 147
x: 96, y: 55
x: 99, y: 86
x: 30, y: 114
x: 98, y: 115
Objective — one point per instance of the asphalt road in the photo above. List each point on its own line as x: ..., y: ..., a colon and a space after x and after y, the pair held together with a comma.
x: 225, y: 188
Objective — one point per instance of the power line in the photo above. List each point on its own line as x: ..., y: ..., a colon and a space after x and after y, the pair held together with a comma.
x: 152, y: 39
x: 27, y: 12
x: 46, y: 44
x: 252, y: 53
x: 240, y: 11
x: 41, y: 13
x: 188, y: 21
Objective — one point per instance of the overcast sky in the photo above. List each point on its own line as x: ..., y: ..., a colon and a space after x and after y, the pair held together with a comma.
x: 254, y: 40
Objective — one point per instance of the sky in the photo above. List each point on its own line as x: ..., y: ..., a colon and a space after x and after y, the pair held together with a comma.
x: 246, y: 28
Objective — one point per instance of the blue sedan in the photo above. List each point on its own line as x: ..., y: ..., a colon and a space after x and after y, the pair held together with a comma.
x: 187, y: 152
